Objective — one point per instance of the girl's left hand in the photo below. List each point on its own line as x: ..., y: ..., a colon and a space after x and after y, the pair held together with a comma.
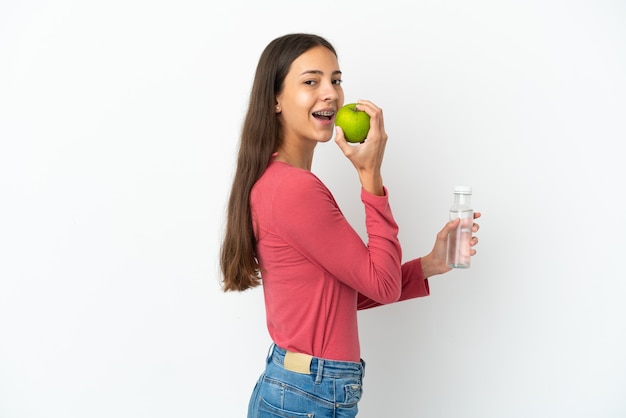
x: 435, y: 262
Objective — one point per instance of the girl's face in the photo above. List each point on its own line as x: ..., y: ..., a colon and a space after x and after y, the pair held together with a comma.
x: 311, y: 96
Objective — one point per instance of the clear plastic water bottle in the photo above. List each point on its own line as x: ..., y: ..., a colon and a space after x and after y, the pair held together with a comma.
x: 459, y: 239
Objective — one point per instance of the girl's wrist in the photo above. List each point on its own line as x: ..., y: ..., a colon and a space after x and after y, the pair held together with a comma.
x: 431, y: 266
x: 427, y: 266
x: 372, y: 184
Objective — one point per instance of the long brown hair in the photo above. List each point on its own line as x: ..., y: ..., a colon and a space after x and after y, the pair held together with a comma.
x: 260, y: 137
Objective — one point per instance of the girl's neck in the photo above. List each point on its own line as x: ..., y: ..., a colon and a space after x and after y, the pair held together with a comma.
x: 297, y: 158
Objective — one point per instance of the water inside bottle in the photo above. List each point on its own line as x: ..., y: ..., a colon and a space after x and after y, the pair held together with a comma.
x: 459, y: 240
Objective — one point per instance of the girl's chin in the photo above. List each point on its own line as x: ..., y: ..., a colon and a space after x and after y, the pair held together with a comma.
x: 328, y: 134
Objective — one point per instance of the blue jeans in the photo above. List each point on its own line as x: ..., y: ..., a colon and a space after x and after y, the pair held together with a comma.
x: 331, y: 389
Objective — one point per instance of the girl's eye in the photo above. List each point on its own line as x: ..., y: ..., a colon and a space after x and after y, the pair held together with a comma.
x: 314, y: 82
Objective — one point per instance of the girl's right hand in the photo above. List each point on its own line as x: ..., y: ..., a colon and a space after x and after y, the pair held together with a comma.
x: 367, y: 157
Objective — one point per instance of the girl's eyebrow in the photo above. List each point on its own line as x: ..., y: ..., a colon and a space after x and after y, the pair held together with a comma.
x: 336, y: 72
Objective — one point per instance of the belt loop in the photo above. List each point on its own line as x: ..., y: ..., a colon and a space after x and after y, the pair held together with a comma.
x: 320, y: 369
x: 270, y: 351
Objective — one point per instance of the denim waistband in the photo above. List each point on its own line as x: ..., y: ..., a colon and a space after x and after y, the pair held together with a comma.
x: 320, y: 366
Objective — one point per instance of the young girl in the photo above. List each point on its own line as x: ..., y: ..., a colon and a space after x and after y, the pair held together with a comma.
x: 285, y: 228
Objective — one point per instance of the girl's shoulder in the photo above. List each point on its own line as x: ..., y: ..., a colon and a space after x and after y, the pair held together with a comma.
x: 284, y: 178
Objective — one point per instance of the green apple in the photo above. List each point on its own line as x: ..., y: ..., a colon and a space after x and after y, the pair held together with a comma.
x: 355, y: 123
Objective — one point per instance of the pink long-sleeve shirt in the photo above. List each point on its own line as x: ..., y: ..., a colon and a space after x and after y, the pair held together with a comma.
x: 316, y: 270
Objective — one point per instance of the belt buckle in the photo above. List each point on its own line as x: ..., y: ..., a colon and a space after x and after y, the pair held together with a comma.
x: 298, y: 362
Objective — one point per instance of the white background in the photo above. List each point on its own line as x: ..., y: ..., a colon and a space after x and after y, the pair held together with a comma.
x: 119, y: 123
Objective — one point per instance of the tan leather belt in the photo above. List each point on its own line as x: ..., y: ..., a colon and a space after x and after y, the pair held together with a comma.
x: 298, y: 362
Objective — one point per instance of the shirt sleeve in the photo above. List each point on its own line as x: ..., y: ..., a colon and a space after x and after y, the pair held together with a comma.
x: 308, y: 218
x: 414, y: 285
